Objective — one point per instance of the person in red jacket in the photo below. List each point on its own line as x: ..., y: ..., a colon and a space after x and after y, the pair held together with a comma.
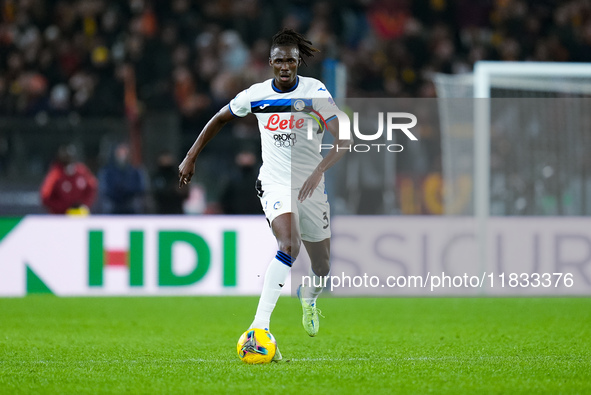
x: 69, y: 185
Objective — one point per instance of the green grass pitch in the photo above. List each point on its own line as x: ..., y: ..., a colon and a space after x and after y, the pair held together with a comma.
x: 51, y: 345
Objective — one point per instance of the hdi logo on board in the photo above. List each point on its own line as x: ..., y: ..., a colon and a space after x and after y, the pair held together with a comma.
x: 100, y: 257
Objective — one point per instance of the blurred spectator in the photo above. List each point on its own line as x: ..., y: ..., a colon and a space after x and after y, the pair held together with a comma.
x: 122, y: 185
x: 59, y: 100
x: 69, y: 185
x: 168, y: 197
x: 239, y: 195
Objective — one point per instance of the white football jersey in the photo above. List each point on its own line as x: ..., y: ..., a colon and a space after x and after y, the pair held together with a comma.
x: 289, y: 156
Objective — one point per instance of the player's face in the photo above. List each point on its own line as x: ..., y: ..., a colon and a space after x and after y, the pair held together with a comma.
x: 285, y: 61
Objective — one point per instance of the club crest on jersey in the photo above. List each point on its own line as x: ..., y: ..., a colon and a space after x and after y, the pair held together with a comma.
x: 299, y: 105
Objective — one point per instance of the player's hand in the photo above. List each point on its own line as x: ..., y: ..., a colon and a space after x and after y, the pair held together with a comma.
x: 186, y: 171
x: 310, y: 185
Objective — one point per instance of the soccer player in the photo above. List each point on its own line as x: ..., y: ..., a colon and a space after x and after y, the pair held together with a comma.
x: 291, y: 179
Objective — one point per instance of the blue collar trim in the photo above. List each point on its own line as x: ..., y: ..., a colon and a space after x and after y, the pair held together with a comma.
x: 293, y: 88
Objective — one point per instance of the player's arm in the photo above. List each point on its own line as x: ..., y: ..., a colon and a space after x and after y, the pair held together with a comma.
x: 339, y: 149
x: 187, y: 166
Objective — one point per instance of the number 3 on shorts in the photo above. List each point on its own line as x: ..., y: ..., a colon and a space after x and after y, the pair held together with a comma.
x: 325, y: 217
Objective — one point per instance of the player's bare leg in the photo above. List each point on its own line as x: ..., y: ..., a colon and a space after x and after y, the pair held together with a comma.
x: 319, y: 253
x: 286, y: 231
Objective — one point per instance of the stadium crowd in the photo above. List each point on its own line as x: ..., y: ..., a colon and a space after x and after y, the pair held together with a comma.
x: 69, y: 55
x: 61, y: 57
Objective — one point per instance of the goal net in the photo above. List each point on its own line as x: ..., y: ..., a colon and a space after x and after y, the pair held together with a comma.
x: 528, y: 155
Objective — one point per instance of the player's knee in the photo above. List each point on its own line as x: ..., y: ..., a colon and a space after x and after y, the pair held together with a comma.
x: 290, y: 246
x: 321, y: 268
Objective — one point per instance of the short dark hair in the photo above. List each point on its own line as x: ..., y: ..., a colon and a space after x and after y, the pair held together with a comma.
x: 291, y: 37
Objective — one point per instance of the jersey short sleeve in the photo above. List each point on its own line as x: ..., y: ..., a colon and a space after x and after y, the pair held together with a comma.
x: 324, y: 103
x: 240, y: 105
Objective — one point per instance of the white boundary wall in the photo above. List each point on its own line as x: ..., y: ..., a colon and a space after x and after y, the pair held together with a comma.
x: 58, y: 251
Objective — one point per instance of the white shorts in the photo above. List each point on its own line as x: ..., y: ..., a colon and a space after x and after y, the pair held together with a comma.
x: 313, y: 213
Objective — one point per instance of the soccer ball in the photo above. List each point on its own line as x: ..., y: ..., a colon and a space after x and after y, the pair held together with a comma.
x: 256, y: 346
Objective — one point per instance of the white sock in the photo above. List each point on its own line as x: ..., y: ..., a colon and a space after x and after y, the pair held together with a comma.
x: 310, y: 294
x: 275, y: 277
